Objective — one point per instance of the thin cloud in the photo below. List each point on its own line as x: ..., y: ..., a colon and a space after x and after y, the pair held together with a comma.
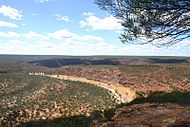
x: 63, y: 18
x: 8, y: 24
x: 88, y: 14
x: 64, y: 34
x: 35, y: 14
x: 34, y: 35
x: 95, y: 23
x: 71, y: 47
x: 41, y: 1
x: 29, y: 35
x: 12, y: 13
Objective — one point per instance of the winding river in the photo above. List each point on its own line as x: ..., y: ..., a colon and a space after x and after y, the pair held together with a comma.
x: 121, y: 93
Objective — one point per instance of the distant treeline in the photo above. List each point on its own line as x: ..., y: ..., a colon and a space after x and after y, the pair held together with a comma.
x: 58, y: 62
x: 154, y: 60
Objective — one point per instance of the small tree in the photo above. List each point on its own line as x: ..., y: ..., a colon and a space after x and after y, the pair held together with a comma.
x: 161, y: 22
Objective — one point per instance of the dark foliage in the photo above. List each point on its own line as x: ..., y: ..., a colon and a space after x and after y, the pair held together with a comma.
x: 161, y: 22
x: 161, y: 97
x: 98, y: 116
x: 155, y: 60
x: 73, y: 121
x: 53, y: 63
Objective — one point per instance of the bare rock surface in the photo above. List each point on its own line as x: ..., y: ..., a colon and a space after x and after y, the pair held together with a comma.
x: 150, y: 115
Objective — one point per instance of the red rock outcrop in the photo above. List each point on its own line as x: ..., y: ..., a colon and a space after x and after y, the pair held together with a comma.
x: 150, y: 115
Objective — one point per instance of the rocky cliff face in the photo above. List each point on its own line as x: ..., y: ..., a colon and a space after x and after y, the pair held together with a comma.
x: 150, y: 115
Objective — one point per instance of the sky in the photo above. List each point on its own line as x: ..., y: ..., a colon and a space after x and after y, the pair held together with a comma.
x: 68, y: 27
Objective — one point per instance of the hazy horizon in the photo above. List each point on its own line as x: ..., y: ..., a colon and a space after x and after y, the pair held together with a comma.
x: 91, y: 55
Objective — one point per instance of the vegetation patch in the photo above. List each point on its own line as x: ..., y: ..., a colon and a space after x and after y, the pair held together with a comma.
x: 161, y: 97
x: 38, y: 98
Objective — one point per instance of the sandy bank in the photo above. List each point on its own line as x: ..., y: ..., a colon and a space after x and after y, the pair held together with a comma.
x: 121, y: 93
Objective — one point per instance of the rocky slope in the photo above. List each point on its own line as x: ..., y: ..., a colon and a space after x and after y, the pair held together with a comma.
x: 143, y: 79
x: 150, y: 115
x: 139, y: 78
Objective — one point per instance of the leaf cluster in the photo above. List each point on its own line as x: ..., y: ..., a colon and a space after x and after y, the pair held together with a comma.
x: 160, y: 22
